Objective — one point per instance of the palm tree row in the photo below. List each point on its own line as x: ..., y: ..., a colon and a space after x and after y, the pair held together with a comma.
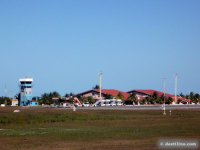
x: 195, y: 98
x: 151, y: 99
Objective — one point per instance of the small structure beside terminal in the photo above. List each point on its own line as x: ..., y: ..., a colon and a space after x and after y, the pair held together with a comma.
x: 15, y: 102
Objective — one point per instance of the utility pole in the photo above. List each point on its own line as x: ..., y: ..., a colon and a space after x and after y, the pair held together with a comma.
x: 175, y: 88
x: 10, y: 97
x: 189, y: 97
x: 5, y: 94
x: 10, y: 94
x: 164, y: 98
x: 100, y: 83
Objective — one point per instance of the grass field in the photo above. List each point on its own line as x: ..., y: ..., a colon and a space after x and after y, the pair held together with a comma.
x: 47, y: 128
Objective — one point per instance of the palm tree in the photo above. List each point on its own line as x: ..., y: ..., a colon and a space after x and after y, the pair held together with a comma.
x: 169, y: 100
x: 17, y: 96
x: 155, y: 95
x: 91, y: 100
x: 47, y: 98
x: 197, y: 97
x: 71, y: 94
x: 144, y: 101
x: 182, y: 95
x: 179, y: 101
x: 56, y: 94
x: 191, y: 96
x: 66, y: 95
x: 132, y: 98
x: 108, y: 96
x: 96, y: 87
x: 120, y: 96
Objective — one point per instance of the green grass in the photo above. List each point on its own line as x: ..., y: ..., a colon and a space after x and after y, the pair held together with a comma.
x: 94, y: 129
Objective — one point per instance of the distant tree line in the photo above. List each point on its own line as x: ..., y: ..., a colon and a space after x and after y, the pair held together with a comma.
x: 195, y: 98
x: 5, y: 100
x: 47, y: 98
x: 156, y: 99
x: 83, y: 99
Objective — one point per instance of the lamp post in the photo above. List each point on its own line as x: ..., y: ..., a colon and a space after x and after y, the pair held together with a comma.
x: 164, y: 98
x: 175, y: 87
x: 100, y: 84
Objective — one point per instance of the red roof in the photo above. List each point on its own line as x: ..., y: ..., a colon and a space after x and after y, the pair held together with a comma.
x: 109, y: 91
x: 149, y: 92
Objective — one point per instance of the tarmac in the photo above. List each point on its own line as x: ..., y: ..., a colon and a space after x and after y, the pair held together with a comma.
x: 143, y: 107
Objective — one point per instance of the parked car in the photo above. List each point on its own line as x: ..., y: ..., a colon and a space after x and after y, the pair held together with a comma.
x: 112, y: 103
x: 118, y: 102
x: 103, y: 103
x: 78, y: 105
x: 107, y: 103
x: 67, y: 105
x: 96, y: 104
x: 86, y: 104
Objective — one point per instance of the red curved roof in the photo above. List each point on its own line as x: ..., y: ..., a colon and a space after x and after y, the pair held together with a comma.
x: 149, y: 92
x: 109, y: 91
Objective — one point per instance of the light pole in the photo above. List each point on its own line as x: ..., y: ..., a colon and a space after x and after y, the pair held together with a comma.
x: 100, y: 84
x: 5, y: 94
x: 164, y: 98
x: 175, y: 87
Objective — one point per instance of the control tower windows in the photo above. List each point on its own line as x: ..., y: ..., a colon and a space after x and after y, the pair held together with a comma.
x: 26, y: 82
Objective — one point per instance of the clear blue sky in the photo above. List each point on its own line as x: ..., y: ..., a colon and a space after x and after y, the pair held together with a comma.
x: 64, y: 44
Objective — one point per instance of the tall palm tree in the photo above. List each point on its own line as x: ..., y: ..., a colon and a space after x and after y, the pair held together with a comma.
x: 197, y: 97
x: 96, y: 87
x: 132, y: 98
x: 66, y: 95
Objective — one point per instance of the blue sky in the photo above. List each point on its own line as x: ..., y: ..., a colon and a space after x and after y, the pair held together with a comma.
x: 64, y: 44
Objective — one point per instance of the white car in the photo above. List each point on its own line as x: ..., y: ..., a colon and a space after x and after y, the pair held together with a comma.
x: 96, y: 104
x: 77, y: 105
x: 99, y: 103
x: 107, y: 103
x: 86, y: 104
x: 67, y: 105
x: 102, y: 103
x: 112, y: 103
x: 118, y: 102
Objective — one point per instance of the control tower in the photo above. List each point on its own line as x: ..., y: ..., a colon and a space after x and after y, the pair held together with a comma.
x: 25, y: 88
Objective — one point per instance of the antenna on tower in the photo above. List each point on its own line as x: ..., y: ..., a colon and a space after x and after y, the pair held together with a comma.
x: 175, y: 88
